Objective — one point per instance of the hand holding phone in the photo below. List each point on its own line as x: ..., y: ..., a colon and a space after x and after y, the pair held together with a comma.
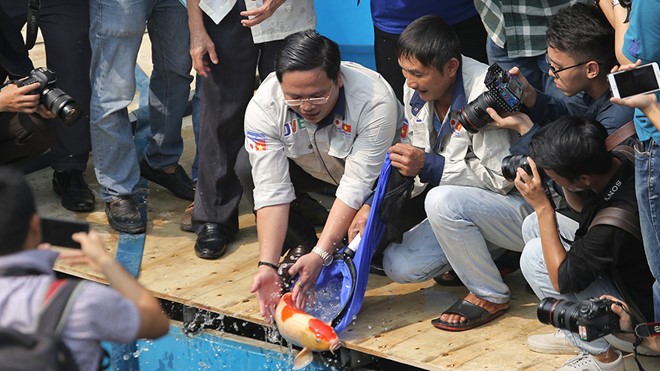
x: 644, y: 79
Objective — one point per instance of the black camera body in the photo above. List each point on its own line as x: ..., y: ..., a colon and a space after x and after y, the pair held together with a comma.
x: 590, y: 319
x: 504, y: 94
x: 53, y: 98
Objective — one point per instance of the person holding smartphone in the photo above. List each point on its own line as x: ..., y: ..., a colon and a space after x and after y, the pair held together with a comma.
x: 122, y: 312
x: 647, y: 176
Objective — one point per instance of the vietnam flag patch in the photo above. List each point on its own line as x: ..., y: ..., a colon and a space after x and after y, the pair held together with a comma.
x: 404, y: 130
x: 256, y: 141
x: 346, y: 127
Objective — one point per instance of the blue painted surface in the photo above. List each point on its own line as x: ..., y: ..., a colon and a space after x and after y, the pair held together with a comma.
x: 178, y: 352
x: 349, y: 25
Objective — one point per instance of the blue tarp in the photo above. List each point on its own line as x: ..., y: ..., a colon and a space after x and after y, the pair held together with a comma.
x: 354, y: 285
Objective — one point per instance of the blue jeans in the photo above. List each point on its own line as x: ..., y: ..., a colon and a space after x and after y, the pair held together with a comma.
x: 647, y: 186
x: 532, y: 264
x: 116, y: 30
x: 464, y: 225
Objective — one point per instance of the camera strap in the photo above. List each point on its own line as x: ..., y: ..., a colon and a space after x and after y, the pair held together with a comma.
x: 649, y: 329
x: 32, y: 23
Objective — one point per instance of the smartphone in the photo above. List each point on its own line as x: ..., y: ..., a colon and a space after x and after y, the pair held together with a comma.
x: 641, y: 80
x: 57, y: 232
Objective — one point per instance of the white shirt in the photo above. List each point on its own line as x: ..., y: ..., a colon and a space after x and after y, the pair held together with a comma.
x: 292, y: 16
x: 348, y: 152
x: 470, y: 159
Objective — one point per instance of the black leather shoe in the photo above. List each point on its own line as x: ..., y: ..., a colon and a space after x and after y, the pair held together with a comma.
x: 310, y: 209
x: 124, y: 216
x: 178, y: 182
x: 289, y: 260
x: 211, y: 242
x: 74, y: 191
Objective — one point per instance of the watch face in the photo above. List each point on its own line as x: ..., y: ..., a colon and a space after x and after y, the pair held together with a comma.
x: 329, y: 260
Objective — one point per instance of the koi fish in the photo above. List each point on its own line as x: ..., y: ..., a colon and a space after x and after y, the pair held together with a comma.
x: 305, y: 331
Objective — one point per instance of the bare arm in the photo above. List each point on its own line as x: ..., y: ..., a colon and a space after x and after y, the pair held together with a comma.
x: 153, y: 322
x: 272, y: 222
x: 616, y: 15
x: 200, y: 42
x: 531, y: 188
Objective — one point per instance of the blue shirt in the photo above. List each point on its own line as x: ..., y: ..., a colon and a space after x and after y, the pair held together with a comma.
x: 642, y: 41
x: 393, y: 16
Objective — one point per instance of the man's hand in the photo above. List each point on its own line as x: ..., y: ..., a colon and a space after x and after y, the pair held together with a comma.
x: 406, y: 158
x: 266, y: 284
x: 92, y: 252
x: 309, y: 267
x: 529, y: 93
x: 261, y: 13
x: 44, y: 112
x: 359, y: 222
x: 641, y: 101
x: 516, y: 121
x: 18, y: 99
x: 531, y: 187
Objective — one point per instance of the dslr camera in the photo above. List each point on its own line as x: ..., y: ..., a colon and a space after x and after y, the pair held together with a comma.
x: 53, y: 98
x: 504, y: 94
x: 590, y: 319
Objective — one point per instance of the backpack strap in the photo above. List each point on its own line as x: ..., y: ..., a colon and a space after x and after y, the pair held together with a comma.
x: 618, y: 217
x: 56, y: 306
x: 619, y: 135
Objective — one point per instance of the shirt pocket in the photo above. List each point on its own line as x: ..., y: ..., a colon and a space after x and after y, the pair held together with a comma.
x: 297, y: 144
x: 340, y: 143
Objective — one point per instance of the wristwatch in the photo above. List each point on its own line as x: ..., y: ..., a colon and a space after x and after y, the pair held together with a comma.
x: 326, y: 256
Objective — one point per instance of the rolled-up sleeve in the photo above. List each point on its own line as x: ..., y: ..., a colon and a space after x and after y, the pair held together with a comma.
x: 270, y: 166
x: 377, y: 126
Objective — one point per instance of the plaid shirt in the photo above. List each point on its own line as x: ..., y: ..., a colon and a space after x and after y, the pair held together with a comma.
x: 520, y: 24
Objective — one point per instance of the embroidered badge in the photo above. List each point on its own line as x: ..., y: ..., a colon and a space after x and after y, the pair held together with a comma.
x: 256, y: 141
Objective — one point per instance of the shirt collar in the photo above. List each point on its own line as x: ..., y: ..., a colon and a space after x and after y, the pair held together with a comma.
x: 40, y: 260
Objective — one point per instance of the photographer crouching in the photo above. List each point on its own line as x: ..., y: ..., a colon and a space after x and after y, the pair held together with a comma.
x: 24, y: 130
x: 601, y: 253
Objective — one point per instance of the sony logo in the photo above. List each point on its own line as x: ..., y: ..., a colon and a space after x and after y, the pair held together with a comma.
x: 613, y: 190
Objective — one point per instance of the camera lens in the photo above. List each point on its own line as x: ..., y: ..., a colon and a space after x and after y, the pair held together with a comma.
x: 474, y: 116
x: 510, y: 165
x: 62, y: 105
x: 558, y: 313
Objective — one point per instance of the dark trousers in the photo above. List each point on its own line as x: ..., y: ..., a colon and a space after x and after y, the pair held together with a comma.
x: 23, y: 137
x: 471, y: 33
x: 300, y: 231
x: 225, y: 95
x: 64, y: 25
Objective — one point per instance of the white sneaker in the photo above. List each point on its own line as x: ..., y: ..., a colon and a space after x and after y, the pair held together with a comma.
x: 555, y: 343
x: 586, y: 362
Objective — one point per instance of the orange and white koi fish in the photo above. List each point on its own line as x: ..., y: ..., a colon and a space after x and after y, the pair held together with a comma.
x: 305, y: 331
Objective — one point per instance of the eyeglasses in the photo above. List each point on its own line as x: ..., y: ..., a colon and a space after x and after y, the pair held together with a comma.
x: 314, y: 101
x: 555, y: 72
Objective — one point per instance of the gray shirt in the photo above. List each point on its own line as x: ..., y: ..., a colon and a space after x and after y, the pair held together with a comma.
x: 99, y: 313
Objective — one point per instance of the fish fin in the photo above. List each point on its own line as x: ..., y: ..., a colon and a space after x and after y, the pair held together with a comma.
x: 303, y: 359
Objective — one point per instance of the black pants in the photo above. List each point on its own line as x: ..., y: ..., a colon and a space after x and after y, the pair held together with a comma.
x: 300, y: 231
x: 225, y: 95
x: 64, y: 25
x: 471, y: 33
x: 23, y: 137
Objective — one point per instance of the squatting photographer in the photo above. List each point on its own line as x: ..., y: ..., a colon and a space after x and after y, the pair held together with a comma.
x: 24, y: 129
x: 600, y: 253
